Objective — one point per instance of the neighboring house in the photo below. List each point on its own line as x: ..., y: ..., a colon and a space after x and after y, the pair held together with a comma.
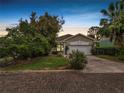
x: 78, y: 42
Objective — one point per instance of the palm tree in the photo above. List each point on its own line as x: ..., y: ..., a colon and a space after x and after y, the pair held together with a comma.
x: 103, y: 31
x: 114, y: 16
x: 104, y: 22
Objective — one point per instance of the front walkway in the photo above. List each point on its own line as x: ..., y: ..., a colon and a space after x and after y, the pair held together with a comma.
x: 100, y: 65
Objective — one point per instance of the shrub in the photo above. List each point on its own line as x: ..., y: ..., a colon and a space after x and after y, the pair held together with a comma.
x: 60, y: 54
x: 24, y: 46
x: 121, y: 55
x: 6, y: 61
x: 77, y: 60
x: 105, y: 51
x: 54, y: 52
x: 4, y: 52
x: 24, y: 51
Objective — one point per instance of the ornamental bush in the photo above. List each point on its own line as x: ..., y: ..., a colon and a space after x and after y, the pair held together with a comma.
x: 121, y: 54
x: 77, y: 60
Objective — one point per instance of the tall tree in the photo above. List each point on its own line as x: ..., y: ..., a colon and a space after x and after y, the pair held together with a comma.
x: 104, y: 30
x: 93, y: 32
x: 49, y: 26
x: 33, y: 20
x: 104, y: 22
x: 114, y: 15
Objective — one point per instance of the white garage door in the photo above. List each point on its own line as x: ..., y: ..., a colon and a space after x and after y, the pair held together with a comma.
x: 85, y: 49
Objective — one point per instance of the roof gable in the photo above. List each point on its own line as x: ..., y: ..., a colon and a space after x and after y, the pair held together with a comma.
x: 62, y: 38
x: 79, y: 37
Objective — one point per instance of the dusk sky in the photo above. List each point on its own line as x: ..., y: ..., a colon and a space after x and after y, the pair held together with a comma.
x: 76, y: 13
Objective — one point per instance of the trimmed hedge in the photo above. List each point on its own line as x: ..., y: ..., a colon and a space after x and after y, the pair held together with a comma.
x: 106, y: 51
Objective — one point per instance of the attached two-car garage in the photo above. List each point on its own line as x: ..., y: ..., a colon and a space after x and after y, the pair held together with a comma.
x: 79, y: 42
x: 83, y: 48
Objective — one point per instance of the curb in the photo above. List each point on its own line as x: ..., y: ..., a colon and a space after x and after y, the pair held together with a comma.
x: 35, y: 71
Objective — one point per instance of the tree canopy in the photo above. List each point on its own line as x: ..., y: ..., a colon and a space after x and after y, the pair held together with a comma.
x: 32, y: 38
x: 93, y: 32
x: 113, y: 24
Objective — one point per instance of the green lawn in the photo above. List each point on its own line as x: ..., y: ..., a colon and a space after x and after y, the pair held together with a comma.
x: 112, y: 58
x: 41, y: 63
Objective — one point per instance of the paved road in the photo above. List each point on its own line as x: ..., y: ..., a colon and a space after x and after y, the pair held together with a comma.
x: 61, y: 82
x: 99, y: 65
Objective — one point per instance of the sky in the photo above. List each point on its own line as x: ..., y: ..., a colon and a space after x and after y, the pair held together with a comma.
x: 79, y: 15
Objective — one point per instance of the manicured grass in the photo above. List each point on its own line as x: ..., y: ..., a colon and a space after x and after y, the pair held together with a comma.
x: 112, y: 58
x: 41, y: 63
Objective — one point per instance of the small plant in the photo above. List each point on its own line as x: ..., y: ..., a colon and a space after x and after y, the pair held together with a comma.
x: 77, y: 60
x: 60, y: 54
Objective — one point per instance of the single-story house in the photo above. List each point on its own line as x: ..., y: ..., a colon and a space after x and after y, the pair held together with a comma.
x: 69, y: 43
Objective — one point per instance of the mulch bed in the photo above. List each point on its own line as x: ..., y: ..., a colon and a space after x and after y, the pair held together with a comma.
x: 61, y: 82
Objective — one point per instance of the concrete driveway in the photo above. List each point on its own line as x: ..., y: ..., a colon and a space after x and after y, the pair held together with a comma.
x: 100, y: 65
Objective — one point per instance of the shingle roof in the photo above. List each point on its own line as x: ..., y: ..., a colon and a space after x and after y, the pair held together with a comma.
x: 62, y: 38
x: 77, y: 35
